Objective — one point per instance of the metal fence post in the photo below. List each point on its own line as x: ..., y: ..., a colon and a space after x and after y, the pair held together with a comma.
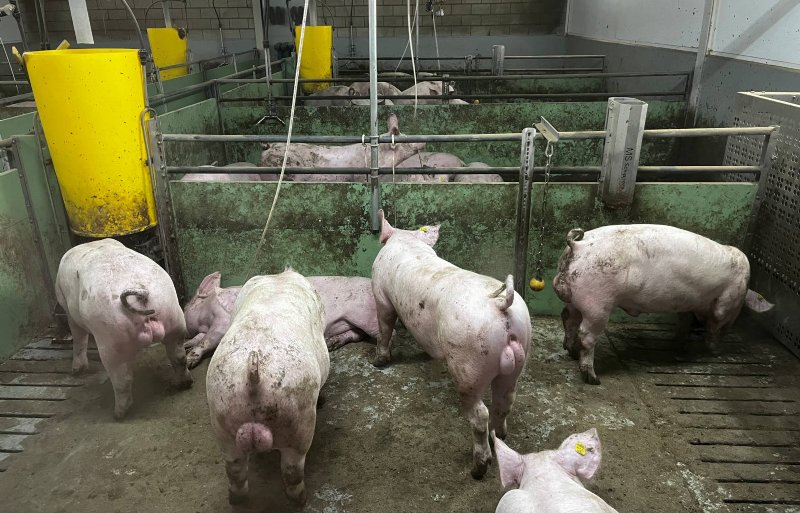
x: 523, y: 211
x: 161, y: 193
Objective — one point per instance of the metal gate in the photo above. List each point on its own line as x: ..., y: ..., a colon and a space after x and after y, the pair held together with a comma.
x: 774, y: 248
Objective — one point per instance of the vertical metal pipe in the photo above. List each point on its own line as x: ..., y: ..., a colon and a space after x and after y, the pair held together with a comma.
x: 375, y: 191
x: 416, y: 25
x: 524, y: 211
x: 765, y: 162
x: 703, y: 47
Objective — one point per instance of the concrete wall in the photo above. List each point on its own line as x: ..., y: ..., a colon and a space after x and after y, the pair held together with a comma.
x: 485, y: 18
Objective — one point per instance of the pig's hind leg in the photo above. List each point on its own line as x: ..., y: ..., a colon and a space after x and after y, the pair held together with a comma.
x: 173, y: 345
x: 503, y: 395
x: 121, y: 376
x: 80, y: 343
x: 293, y: 464
x: 591, y: 329
x: 236, y: 470
x: 387, y: 318
x: 478, y: 416
x: 571, y: 318
x: 342, y: 339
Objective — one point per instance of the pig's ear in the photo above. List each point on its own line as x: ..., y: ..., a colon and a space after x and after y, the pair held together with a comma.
x: 428, y: 234
x: 386, y: 229
x: 510, y: 464
x: 580, y: 454
x: 209, y: 284
x: 756, y: 302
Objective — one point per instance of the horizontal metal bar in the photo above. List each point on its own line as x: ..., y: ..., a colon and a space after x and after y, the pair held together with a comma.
x: 503, y: 137
x: 215, y: 170
x: 14, y: 82
x: 552, y: 70
x: 457, y: 78
x: 203, y: 85
x: 17, y: 98
x: 504, y: 96
x: 207, y: 59
x: 695, y: 132
x: 477, y: 57
x: 342, y: 139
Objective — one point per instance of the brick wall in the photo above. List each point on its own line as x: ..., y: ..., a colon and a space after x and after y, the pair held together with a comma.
x: 110, y: 20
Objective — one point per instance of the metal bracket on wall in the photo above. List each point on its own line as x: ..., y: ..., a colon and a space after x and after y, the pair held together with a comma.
x: 625, y: 120
x: 161, y: 192
x: 521, y: 239
x: 547, y: 130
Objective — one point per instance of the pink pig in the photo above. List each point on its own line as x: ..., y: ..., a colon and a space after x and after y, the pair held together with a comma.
x: 349, y: 313
x: 478, y: 325
x: 127, y: 302
x: 264, y: 379
x: 550, y: 481
x: 647, y: 268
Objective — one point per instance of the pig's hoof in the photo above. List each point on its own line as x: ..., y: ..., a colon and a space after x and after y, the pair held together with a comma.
x: 479, y: 470
x: 192, y: 359
x: 590, y: 378
x: 81, y: 369
x: 381, y: 361
x: 185, y: 382
x: 119, y: 415
x: 235, y: 499
x: 299, y: 498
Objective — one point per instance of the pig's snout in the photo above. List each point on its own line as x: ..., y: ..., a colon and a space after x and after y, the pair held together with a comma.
x: 252, y: 436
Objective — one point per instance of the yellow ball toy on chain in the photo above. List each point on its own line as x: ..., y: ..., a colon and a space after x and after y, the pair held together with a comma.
x: 536, y: 284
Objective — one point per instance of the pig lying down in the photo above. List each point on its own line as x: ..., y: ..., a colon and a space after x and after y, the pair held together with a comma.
x: 645, y: 268
x: 550, y: 481
x: 264, y: 380
x: 127, y: 302
x: 351, y: 155
x: 479, y: 326
x: 349, y: 313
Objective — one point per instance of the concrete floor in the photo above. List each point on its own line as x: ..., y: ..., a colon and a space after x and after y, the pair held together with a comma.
x: 680, y: 433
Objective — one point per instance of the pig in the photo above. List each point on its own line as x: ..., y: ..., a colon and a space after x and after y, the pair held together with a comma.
x: 344, y: 91
x: 427, y: 159
x: 647, y: 268
x: 478, y: 325
x: 428, y: 89
x: 126, y: 302
x: 551, y: 480
x: 215, y: 177
x: 352, y: 155
x: 264, y: 380
x: 384, y: 89
x: 463, y: 178
x: 349, y: 313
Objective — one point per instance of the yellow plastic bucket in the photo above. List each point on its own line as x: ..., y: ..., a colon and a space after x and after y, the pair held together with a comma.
x: 90, y: 102
x: 169, y: 47
x: 317, y: 58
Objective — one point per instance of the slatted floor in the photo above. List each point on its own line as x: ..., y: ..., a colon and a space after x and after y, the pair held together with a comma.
x: 738, y: 413
x: 35, y: 385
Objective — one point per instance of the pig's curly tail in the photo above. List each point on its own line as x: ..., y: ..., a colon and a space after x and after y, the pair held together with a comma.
x: 141, y: 294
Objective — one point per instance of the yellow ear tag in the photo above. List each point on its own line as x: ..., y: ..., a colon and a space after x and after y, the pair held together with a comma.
x: 423, y: 229
x: 580, y: 449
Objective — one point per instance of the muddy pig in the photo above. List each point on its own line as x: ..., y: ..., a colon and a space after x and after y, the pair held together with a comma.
x: 264, y: 379
x: 349, y: 313
x: 426, y: 159
x: 647, y: 268
x: 351, y: 155
x: 126, y: 302
x: 551, y: 480
x: 464, y: 178
x: 478, y: 325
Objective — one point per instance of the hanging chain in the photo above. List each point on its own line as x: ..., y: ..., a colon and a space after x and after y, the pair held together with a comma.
x: 394, y: 147
x: 364, y: 145
x: 548, y: 153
